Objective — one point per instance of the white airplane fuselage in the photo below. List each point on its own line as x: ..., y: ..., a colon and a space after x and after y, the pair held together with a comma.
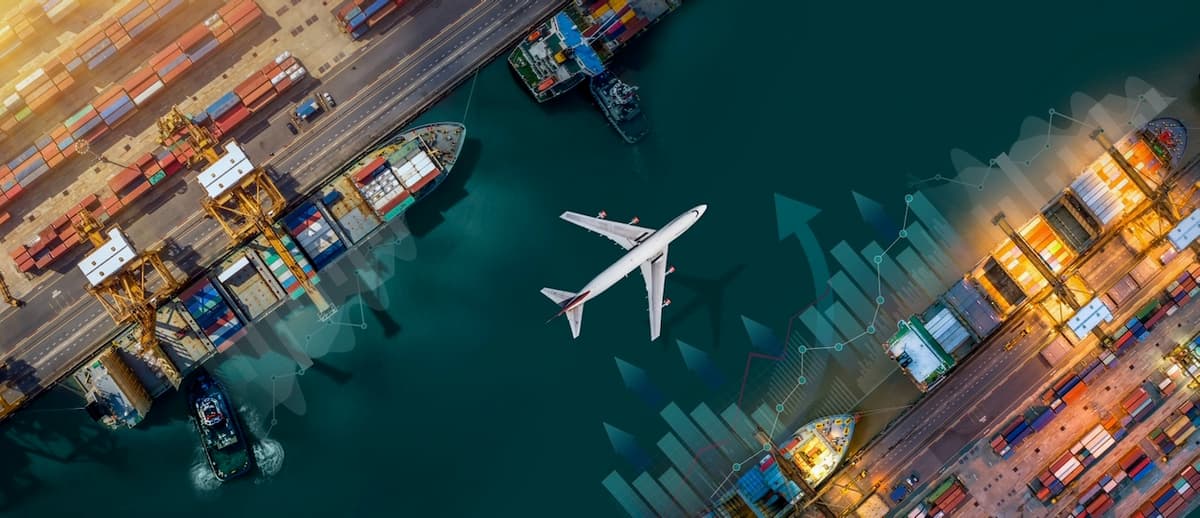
x: 633, y: 259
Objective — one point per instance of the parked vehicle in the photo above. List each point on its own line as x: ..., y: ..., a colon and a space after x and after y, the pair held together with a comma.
x: 328, y: 99
x: 292, y: 128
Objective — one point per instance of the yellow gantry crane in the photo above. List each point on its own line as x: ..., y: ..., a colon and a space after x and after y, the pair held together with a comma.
x: 244, y: 200
x: 241, y: 198
x: 201, y: 140
x: 118, y: 276
x: 8, y: 296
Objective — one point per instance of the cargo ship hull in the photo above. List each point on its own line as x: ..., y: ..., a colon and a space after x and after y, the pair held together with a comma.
x: 575, y: 43
x: 225, y: 444
x: 352, y: 205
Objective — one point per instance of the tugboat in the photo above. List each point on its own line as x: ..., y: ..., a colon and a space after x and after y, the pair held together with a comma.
x: 621, y: 105
x: 229, y: 453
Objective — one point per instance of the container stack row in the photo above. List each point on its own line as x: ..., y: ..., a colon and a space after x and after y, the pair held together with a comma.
x: 113, y: 106
x: 54, y: 76
x: 212, y: 313
x: 1175, y: 432
x: 315, y: 234
x: 252, y: 95
x: 1139, y: 404
x: 948, y: 497
x: 1067, y: 390
x: 1101, y: 495
x: 356, y: 17
x: 125, y: 187
x: 280, y: 270
x: 1068, y: 466
x: 1171, y: 500
x: 1138, y: 327
x: 1136, y: 463
x: 1183, y: 289
x: 1013, y: 434
x: 28, y: 20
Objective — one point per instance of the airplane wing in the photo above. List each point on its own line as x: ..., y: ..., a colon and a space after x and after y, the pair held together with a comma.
x: 628, y: 236
x: 654, y: 272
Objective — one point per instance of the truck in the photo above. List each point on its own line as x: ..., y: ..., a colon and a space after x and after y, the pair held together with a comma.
x: 308, y: 109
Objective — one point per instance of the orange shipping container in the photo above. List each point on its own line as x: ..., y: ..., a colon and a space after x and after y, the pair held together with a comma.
x: 192, y: 37
x: 165, y: 55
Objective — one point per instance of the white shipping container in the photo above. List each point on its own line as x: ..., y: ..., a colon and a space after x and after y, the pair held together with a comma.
x: 149, y: 92
x: 1067, y: 468
x: 282, y: 56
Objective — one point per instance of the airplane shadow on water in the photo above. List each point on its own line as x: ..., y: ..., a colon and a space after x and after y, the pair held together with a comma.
x: 423, y: 217
x: 710, y: 294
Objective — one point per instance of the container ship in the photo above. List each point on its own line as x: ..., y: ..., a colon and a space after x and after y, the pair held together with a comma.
x: 815, y: 451
x: 225, y: 444
x: 575, y: 43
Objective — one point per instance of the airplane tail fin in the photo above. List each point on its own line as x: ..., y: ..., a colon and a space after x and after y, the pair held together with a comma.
x: 564, y: 299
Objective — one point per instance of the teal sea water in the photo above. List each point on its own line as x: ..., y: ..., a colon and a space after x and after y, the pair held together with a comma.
x: 457, y: 399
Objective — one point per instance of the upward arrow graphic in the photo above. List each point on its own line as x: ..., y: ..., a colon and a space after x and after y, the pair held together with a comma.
x: 872, y: 212
x: 636, y: 380
x: 698, y: 362
x: 626, y: 446
x: 792, y: 218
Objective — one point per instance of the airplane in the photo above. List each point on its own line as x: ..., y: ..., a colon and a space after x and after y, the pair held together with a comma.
x: 647, y: 248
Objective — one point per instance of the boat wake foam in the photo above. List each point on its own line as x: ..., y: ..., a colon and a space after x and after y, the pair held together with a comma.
x: 203, y: 479
x: 269, y: 455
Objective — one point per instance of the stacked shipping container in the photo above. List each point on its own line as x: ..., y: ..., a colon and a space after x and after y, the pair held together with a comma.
x: 119, y: 102
x: 947, y: 497
x: 1171, y: 499
x: 24, y: 23
x: 130, y: 183
x: 1067, y: 468
x: 212, y: 313
x: 315, y: 234
x: 356, y: 17
x: 94, y: 47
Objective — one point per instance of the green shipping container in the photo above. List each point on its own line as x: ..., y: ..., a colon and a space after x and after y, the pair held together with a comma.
x: 23, y: 114
x: 81, y: 114
x: 157, y: 177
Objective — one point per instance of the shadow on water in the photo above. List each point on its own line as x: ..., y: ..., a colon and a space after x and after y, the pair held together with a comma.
x: 335, y: 374
x: 428, y: 214
x: 55, y: 430
x: 710, y: 294
x: 391, y: 327
x: 168, y: 409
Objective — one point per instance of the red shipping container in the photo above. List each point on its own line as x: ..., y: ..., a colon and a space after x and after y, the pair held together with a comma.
x: 14, y: 192
x: 193, y: 36
x: 72, y: 240
x: 233, y: 119
x: 251, y: 84
x: 176, y: 72
x: 284, y: 85
x: 166, y: 55
x: 138, y: 77
x: 257, y: 94
x: 4, y: 217
x: 56, y: 160
x: 18, y: 253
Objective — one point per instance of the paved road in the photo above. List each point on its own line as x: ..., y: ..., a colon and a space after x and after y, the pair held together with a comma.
x: 422, y: 56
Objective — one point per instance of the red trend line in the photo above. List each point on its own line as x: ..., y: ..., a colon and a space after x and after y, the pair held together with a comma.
x: 783, y: 355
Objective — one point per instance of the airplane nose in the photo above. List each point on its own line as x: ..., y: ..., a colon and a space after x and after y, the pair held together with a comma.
x: 701, y: 209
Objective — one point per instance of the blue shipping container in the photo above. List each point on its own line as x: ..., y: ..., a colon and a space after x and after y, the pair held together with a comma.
x: 375, y: 7
x: 223, y: 104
